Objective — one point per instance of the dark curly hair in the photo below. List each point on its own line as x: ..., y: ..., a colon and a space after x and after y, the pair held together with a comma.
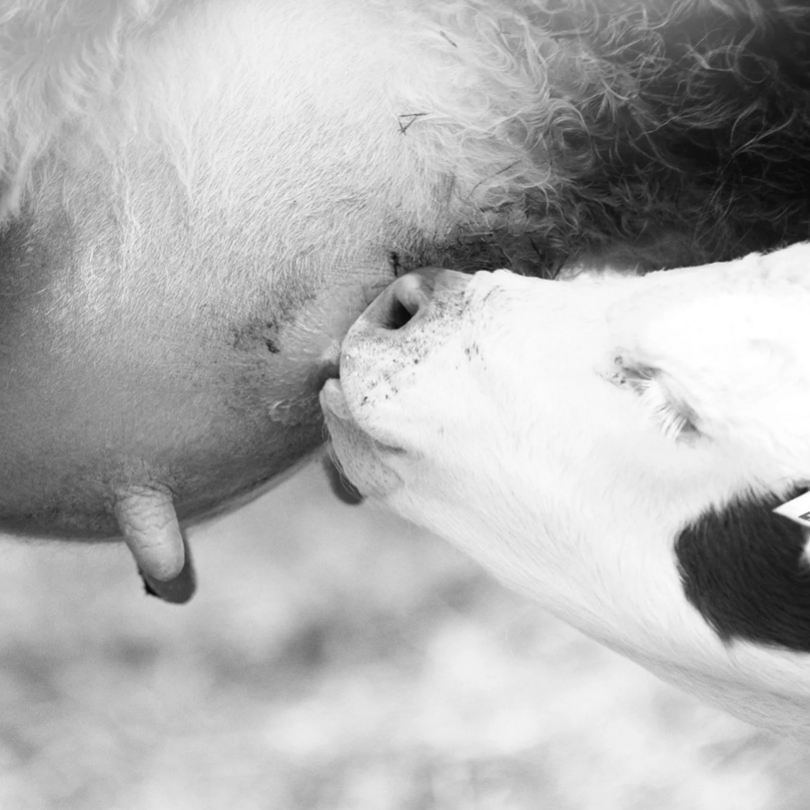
x: 692, y: 139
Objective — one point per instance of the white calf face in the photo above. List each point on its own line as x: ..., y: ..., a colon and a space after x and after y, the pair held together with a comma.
x: 611, y: 446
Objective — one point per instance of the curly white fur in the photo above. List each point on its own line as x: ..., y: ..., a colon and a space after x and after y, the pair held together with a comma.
x: 466, y: 79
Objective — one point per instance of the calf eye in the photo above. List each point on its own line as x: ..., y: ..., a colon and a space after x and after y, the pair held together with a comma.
x: 672, y: 415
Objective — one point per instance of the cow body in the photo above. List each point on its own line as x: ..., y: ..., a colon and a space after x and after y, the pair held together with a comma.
x: 175, y: 282
x: 611, y: 445
x: 199, y: 196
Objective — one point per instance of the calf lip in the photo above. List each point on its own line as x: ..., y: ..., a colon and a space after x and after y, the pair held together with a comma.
x: 333, y: 400
x: 335, y: 405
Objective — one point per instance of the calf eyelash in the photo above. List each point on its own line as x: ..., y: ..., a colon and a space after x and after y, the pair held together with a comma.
x: 675, y: 419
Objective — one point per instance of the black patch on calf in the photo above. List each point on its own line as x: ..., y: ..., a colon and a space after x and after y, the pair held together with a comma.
x: 743, y: 569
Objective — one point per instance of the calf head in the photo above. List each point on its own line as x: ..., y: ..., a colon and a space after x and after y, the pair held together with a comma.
x: 612, y: 446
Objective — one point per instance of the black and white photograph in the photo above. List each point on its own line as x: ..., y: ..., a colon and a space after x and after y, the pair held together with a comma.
x: 404, y: 404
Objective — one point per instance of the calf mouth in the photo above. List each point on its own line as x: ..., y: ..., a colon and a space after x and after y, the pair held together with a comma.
x: 333, y: 400
x: 359, y: 459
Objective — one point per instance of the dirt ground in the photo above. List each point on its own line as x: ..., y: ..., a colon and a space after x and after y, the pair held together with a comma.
x: 336, y: 660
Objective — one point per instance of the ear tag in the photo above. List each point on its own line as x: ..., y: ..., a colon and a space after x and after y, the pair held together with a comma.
x: 798, y: 510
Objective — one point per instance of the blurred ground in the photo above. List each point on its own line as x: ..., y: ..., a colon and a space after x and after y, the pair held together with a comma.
x: 335, y: 660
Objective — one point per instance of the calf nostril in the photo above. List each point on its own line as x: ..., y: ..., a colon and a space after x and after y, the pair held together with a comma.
x: 397, y: 315
x: 402, y: 302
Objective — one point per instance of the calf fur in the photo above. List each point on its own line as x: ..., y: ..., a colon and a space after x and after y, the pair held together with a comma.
x: 613, y: 446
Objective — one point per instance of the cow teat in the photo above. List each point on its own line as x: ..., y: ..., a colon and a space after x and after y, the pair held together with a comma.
x: 149, y: 525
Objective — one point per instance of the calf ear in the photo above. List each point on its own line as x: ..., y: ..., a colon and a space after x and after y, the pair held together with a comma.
x: 744, y: 569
